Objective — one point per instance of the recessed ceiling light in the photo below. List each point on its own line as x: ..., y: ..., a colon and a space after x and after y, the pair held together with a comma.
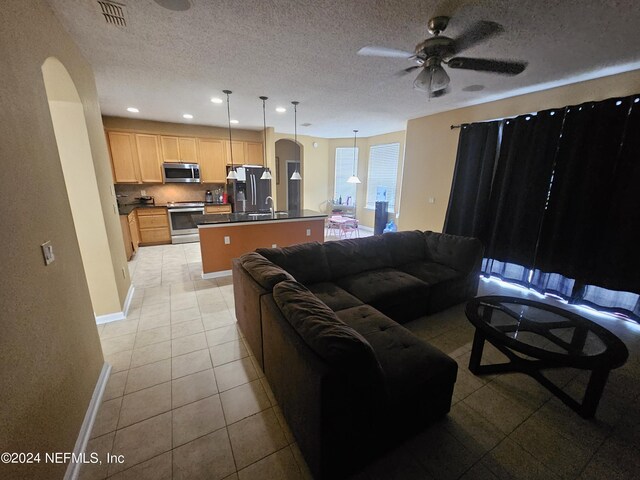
x: 216, y: 100
x: 132, y: 110
x: 187, y: 116
x: 234, y: 121
x: 281, y: 109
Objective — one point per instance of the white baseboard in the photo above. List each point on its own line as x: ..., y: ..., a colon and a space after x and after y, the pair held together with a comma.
x: 112, y: 317
x: 73, y: 469
x: 209, y: 276
x: 127, y: 300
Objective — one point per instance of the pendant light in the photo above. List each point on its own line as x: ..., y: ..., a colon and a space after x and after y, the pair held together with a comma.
x: 354, y: 178
x: 232, y: 173
x: 296, y: 174
x: 266, y: 175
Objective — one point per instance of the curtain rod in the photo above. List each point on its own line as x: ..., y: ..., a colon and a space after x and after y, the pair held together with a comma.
x: 458, y: 126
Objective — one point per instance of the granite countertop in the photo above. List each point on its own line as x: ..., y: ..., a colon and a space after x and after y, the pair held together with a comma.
x: 126, y: 209
x: 222, y: 218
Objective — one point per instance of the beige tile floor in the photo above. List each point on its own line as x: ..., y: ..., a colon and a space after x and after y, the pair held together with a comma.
x: 187, y: 401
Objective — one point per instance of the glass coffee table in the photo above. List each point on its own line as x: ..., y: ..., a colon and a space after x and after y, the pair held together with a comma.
x: 545, y: 337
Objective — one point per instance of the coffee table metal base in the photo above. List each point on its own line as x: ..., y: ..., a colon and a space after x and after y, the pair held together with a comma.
x: 593, y: 392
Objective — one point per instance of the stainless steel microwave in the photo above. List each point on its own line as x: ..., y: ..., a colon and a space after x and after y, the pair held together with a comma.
x: 181, y: 172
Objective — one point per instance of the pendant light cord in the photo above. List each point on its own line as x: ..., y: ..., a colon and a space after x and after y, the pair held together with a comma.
x: 264, y: 124
x: 355, y: 132
x: 227, y: 92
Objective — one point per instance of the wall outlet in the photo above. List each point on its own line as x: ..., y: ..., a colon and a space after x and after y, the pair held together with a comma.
x: 308, y: 232
x: 143, y: 193
x: 432, y: 200
x: 273, y: 245
x: 47, y: 252
x: 227, y: 240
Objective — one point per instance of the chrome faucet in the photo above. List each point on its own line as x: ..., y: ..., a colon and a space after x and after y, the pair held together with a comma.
x: 266, y: 202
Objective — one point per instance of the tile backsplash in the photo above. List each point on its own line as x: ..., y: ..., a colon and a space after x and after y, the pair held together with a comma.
x: 174, y: 192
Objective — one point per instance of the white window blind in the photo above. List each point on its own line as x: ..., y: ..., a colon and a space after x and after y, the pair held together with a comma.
x: 383, y: 173
x: 344, y: 169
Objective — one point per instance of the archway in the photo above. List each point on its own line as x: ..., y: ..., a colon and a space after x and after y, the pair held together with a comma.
x: 288, y: 159
x: 72, y: 138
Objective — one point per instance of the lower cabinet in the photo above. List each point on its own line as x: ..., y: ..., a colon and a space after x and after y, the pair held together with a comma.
x: 126, y: 236
x: 224, y: 208
x: 153, y: 224
x: 133, y: 229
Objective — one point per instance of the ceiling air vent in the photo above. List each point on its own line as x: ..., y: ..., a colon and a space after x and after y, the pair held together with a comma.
x: 113, y: 13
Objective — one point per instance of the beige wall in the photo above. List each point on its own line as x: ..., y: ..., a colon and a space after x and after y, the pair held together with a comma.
x: 314, y: 169
x: 431, y: 144
x: 365, y: 215
x: 80, y: 179
x: 50, y: 352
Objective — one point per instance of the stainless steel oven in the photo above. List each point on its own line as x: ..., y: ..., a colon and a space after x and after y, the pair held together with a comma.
x: 183, y: 227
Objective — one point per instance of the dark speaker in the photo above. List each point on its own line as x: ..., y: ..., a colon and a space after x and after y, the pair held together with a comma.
x: 381, y: 217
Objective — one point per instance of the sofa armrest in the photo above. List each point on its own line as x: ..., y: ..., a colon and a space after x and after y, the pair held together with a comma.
x: 463, y: 254
x: 326, y: 420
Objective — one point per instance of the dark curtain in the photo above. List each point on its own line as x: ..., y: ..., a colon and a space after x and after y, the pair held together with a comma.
x: 617, y: 258
x: 521, y: 185
x: 581, y: 193
x: 471, y: 188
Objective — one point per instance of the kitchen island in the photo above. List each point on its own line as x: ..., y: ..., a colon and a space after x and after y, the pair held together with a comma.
x: 224, y: 237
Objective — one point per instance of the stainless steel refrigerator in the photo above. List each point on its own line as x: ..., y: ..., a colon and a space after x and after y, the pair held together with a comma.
x: 250, y: 187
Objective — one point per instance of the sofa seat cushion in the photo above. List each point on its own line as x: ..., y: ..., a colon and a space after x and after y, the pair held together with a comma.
x: 430, y: 272
x: 263, y: 271
x: 306, y: 262
x: 410, y: 366
x: 333, y: 296
x: 397, y: 294
x: 328, y: 336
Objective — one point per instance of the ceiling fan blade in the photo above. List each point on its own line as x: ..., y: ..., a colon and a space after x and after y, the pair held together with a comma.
x: 440, y: 93
x: 503, y: 67
x: 479, y: 32
x: 404, y: 71
x: 373, y: 51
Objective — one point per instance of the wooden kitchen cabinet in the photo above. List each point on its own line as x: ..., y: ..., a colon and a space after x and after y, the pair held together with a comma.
x: 179, y: 149
x: 238, y: 153
x: 254, y: 153
x: 149, y: 160
x: 132, y: 219
x: 126, y: 237
x: 213, y: 161
x: 223, y: 208
x: 124, y: 157
x: 153, y: 224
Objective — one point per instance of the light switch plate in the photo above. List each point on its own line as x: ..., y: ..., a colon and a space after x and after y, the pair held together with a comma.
x: 47, y: 252
x: 227, y: 240
x: 308, y: 232
x: 273, y: 245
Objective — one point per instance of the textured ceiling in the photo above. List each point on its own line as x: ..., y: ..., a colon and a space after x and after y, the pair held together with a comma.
x: 167, y: 63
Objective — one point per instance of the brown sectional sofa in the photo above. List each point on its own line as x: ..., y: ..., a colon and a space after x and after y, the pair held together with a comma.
x: 323, y: 320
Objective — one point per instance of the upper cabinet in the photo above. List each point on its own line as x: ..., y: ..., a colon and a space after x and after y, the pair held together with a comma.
x: 149, y: 158
x: 179, y: 149
x: 238, y: 153
x: 254, y: 153
x: 124, y: 157
x: 213, y: 160
x: 137, y: 157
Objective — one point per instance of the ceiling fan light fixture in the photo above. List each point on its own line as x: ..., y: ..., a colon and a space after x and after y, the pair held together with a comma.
x: 432, y: 79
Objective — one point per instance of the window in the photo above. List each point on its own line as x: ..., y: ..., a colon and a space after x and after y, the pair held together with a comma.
x: 383, y: 174
x: 344, y: 169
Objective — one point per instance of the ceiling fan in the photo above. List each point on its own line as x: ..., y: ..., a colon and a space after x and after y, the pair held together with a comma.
x: 431, y: 54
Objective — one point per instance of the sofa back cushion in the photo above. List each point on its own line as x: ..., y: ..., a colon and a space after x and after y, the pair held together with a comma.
x: 461, y: 253
x: 307, y: 262
x: 329, y: 337
x: 406, y: 247
x: 266, y: 273
x: 348, y: 257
